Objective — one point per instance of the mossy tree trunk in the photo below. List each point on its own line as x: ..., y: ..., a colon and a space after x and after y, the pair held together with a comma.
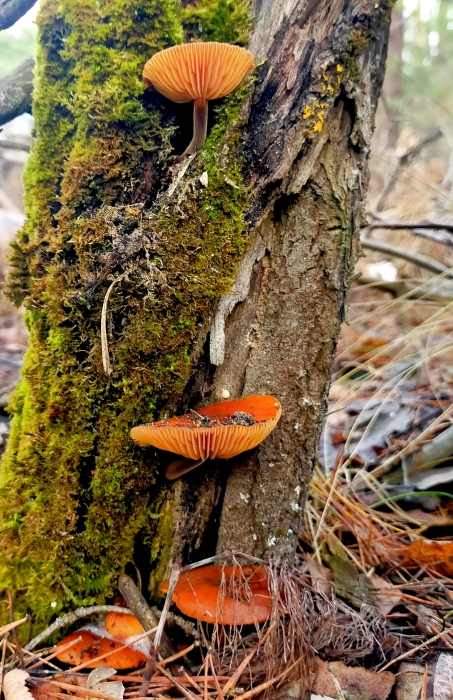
x: 223, y: 290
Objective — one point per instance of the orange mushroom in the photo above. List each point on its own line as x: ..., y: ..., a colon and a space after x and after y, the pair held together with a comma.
x: 199, y: 72
x: 93, y: 645
x: 222, y: 430
x: 245, y: 600
x: 123, y: 625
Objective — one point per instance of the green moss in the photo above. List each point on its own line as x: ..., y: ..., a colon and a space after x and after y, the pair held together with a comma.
x: 74, y: 490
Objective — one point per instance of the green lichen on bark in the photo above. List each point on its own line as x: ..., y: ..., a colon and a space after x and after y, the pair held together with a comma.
x: 74, y: 490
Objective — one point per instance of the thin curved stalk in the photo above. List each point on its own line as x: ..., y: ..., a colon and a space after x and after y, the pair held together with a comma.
x: 200, y: 126
x: 181, y: 466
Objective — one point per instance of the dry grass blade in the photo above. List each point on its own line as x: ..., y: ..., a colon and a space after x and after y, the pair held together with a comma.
x: 12, y: 625
x: 423, y: 645
x: 86, y: 691
x: 193, y: 682
x: 2, y: 663
x: 217, y: 684
x: 180, y: 654
x: 424, y: 693
x: 337, y: 685
x: 104, y: 340
x: 237, y: 674
x: 151, y: 663
x: 267, y: 684
x: 187, y: 693
x: 59, y: 650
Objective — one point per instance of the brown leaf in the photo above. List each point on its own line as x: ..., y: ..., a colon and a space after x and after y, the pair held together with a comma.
x: 409, y: 681
x: 356, y: 681
x: 385, y: 601
x: 42, y: 690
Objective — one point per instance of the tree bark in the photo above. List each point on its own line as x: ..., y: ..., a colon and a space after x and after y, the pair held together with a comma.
x: 16, y: 91
x: 222, y: 291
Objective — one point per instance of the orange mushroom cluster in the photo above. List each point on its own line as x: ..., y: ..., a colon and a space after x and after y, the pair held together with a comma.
x: 222, y: 430
x: 118, y: 629
x: 227, y: 595
x: 200, y: 72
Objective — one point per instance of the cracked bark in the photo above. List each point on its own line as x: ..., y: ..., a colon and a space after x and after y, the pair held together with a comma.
x: 280, y: 335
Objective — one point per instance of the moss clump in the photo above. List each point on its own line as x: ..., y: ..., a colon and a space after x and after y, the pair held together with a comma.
x: 74, y: 490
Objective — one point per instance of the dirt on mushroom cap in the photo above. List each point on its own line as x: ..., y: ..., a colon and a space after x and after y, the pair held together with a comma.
x: 222, y: 430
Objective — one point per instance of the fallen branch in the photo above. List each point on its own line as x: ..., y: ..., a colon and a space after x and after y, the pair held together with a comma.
x: 395, y: 225
x: 415, y: 258
x: 404, y: 160
x: 14, y: 145
x: 404, y: 288
x: 16, y: 90
x: 12, y: 10
x: 137, y: 603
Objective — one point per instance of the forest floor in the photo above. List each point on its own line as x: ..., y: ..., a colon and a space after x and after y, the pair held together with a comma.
x: 375, y: 572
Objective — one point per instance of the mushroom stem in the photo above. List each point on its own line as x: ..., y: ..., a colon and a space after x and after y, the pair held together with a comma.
x: 200, y: 126
x: 181, y: 466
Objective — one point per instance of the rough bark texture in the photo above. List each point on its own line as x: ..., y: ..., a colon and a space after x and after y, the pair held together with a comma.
x: 230, y: 289
x: 16, y: 91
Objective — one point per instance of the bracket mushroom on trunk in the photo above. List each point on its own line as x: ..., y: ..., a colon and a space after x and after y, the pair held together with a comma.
x: 220, y: 431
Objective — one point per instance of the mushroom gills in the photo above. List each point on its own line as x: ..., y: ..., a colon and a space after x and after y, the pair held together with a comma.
x: 181, y: 466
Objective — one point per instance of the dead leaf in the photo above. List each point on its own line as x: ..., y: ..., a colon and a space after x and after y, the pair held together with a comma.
x: 15, y: 685
x: 353, y: 680
x: 42, y: 690
x: 385, y: 602
x: 321, y: 580
x: 97, y: 680
x: 409, y: 681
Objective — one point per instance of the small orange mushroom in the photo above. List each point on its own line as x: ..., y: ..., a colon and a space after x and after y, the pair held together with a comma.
x: 123, y: 625
x: 93, y: 645
x: 246, y: 599
x: 222, y: 430
x: 200, y: 71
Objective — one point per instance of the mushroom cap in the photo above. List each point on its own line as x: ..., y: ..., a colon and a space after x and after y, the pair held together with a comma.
x: 221, y: 430
x: 123, y: 625
x: 198, y: 594
x: 206, y: 70
x: 91, y: 646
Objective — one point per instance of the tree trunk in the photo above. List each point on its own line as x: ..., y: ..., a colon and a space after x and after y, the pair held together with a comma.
x: 224, y: 290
